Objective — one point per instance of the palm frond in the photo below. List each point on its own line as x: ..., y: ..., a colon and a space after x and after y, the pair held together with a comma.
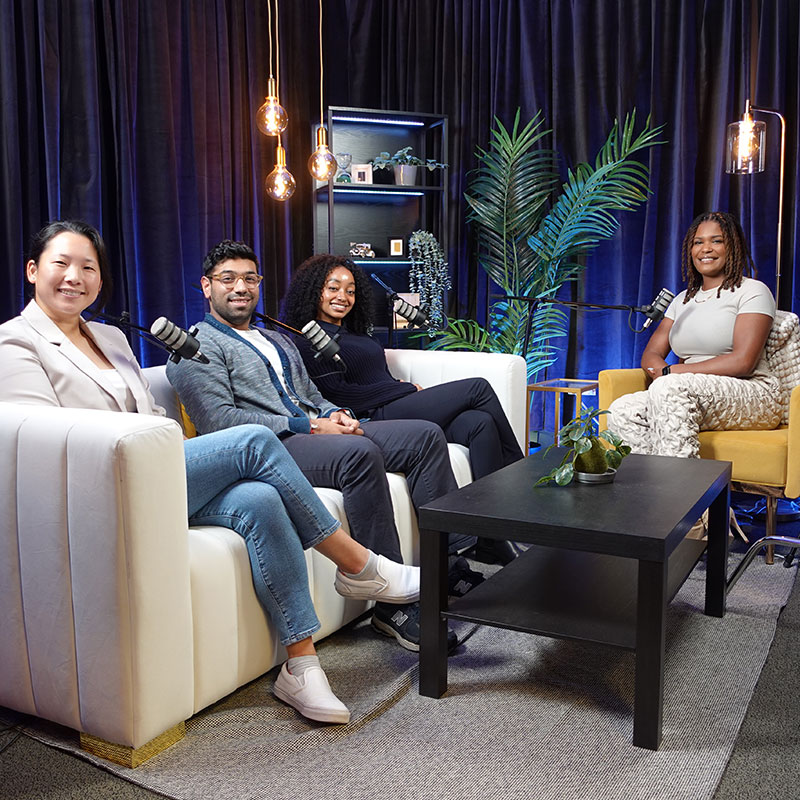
x: 531, y: 251
x: 582, y: 215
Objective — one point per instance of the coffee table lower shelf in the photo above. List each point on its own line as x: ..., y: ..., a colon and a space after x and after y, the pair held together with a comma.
x: 569, y: 594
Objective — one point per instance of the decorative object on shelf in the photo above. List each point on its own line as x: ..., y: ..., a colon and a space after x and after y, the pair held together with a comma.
x: 428, y: 275
x: 361, y: 250
x: 361, y: 173
x: 396, y: 247
x: 280, y: 183
x: 321, y: 163
x: 405, y: 165
x: 591, y: 457
x: 271, y: 117
x: 746, y: 146
x: 530, y: 242
x: 343, y: 161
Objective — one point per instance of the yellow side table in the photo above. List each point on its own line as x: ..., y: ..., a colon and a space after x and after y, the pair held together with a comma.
x: 559, y: 386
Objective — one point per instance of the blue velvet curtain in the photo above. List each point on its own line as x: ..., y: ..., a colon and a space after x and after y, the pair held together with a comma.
x: 138, y: 117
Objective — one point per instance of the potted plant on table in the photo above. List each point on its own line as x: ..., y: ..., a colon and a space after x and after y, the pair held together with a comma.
x: 591, y: 457
x: 405, y: 165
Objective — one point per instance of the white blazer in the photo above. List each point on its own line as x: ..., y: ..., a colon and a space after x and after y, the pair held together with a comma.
x: 39, y: 365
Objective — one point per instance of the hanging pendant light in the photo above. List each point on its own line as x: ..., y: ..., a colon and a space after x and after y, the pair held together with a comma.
x: 321, y: 163
x: 280, y: 183
x: 271, y: 117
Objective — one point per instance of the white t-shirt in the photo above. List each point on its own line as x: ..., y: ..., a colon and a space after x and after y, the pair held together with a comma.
x: 268, y: 349
x: 703, y: 327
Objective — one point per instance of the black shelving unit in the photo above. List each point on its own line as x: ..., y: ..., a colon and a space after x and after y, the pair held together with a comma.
x: 381, y: 211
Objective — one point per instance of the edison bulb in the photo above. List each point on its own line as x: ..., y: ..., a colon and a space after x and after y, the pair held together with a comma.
x: 321, y: 163
x: 280, y: 183
x: 271, y: 118
x: 745, y: 150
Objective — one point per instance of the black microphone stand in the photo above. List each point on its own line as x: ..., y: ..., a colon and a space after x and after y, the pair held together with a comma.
x: 124, y: 321
x: 533, y: 302
x: 272, y: 321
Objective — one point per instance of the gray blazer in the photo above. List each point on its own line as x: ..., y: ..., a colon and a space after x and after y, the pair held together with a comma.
x: 40, y: 366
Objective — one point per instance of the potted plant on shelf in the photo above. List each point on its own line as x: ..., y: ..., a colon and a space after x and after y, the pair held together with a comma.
x: 405, y: 165
x: 591, y: 457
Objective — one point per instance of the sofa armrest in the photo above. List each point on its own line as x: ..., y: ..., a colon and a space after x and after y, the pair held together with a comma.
x: 94, y: 571
x: 614, y: 383
x: 506, y: 374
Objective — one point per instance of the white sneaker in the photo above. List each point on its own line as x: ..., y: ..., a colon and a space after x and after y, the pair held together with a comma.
x: 394, y: 583
x: 310, y: 693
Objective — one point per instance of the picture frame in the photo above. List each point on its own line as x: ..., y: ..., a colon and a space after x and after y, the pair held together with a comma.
x: 396, y: 247
x: 361, y: 173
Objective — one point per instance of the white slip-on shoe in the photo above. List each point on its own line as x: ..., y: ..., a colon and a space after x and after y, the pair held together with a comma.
x: 393, y: 583
x: 311, y: 694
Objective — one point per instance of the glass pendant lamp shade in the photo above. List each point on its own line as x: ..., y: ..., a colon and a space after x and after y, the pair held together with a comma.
x: 321, y: 163
x: 280, y: 183
x: 271, y: 118
x: 745, y: 150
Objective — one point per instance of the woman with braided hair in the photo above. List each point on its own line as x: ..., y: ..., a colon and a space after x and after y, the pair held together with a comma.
x: 717, y: 327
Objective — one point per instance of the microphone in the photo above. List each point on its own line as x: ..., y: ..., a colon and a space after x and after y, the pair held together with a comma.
x: 655, y: 311
x: 182, y: 343
x: 321, y: 342
x: 416, y: 315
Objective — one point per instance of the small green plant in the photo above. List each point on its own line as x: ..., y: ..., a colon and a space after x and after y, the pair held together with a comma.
x: 404, y: 157
x: 587, y: 450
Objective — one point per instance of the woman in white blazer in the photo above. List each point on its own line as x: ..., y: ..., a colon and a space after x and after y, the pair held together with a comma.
x: 242, y: 478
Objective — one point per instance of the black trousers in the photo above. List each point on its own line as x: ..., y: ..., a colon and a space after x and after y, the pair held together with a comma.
x: 357, y: 466
x: 470, y: 414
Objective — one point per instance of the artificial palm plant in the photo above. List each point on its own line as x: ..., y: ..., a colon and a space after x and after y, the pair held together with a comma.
x: 530, y: 241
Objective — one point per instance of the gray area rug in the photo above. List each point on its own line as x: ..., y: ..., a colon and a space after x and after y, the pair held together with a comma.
x: 524, y: 717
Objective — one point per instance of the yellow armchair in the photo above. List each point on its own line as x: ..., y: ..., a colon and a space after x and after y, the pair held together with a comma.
x: 764, y: 462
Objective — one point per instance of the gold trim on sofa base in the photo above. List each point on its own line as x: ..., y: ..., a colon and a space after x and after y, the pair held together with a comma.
x: 132, y: 756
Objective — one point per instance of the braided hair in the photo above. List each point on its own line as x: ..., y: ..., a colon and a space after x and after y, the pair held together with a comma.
x: 302, y: 300
x: 738, y: 260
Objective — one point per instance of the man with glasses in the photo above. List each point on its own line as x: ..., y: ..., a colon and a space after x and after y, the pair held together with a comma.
x: 258, y: 376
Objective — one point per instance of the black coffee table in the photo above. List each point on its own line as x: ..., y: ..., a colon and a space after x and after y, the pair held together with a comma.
x: 604, y: 563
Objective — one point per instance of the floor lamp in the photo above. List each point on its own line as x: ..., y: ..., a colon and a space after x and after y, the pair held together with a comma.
x: 745, y: 155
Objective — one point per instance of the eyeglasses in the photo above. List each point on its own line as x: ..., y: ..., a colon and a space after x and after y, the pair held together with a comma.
x: 230, y: 279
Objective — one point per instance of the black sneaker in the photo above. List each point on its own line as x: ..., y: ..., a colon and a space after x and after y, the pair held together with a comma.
x: 402, y: 622
x: 493, y: 551
x: 461, y: 578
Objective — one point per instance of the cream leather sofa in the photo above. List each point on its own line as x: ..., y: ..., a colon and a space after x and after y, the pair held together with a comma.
x: 117, y: 619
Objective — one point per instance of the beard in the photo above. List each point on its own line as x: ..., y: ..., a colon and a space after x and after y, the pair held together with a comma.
x: 234, y: 314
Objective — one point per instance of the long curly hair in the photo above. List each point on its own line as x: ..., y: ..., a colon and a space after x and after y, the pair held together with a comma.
x: 302, y: 299
x: 738, y: 261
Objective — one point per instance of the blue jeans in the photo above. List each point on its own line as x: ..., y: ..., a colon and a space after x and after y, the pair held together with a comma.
x: 243, y: 478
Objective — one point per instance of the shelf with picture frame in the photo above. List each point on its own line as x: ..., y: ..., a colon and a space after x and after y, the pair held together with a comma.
x: 380, y: 213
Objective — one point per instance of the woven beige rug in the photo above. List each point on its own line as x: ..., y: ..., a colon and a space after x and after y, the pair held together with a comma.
x: 524, y: 717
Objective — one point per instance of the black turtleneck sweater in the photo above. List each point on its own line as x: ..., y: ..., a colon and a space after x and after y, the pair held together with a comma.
x: 366, y: 384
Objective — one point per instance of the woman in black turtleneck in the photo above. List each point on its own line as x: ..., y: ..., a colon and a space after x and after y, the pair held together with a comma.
x: 336, y: 292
